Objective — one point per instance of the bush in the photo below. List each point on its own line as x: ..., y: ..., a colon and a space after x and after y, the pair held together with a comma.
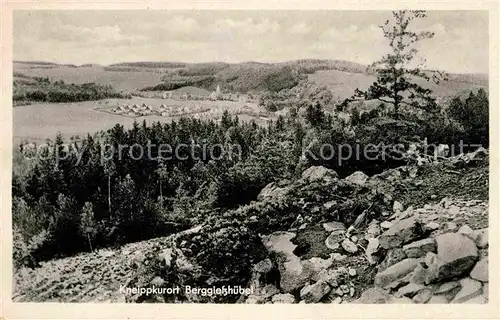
x: 473, y: 115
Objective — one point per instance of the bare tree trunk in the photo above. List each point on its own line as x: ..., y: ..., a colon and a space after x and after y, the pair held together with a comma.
x: 109, y: 193
x: 161, y: 196
x: 90, y: 242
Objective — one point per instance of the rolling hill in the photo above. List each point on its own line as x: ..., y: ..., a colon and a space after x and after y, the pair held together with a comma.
x: 341, y: 77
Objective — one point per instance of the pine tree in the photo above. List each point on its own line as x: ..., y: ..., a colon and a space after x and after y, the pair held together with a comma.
x: 396, y: 72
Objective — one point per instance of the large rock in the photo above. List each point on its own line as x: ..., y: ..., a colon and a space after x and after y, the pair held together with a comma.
x: 423, y: 295
x: 397, y: 207
x: 332, y: 242
x: 456, y: 255
x: 401, y: 232
x: 372, y: 251
x: 314, y: 292
x: 476, y: 300
x: 319, y: 174
x: 272, y: 191
x: 317, y: 264
x: 262, y: 273
x: 283, y: 298
x: 395, y: 272
x: 329, y: 276
x: 358, y: 178
x: 373, y: 296
x: 445, y: 292
x: 467, y: 231
x: 293, y: 274
x: 334, y: 226
x: 470, y: 289
x: 480, y: 270
x: 373, y: 230
x: 411, y: 289
x: 349, y: 246
x: 267, y: 292
x: 486, y: 291
x: 482, y: 238
x: 419, y: 248
x: 392, y: 257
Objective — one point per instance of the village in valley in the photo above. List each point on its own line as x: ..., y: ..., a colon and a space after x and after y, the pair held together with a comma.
x: 198, y: 104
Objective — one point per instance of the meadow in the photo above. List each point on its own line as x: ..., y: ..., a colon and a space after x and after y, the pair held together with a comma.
x: 40, y: 121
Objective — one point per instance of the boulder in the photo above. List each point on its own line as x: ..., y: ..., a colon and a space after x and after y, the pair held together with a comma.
x: 334, y: 226
x: 332, y: 242
x: 316, y: 264
x: 157, y: 282
x: 255, y: 299
x: 456, y: 255
x: 268, y: 291
x: 166, y: 255
x: 374, y: 296
x: 476, y: 300
x: 486, y: 291
x: 431, y: 226
x: 283, y: 298
x: 372, y: 250
x: 411, y: 289
x: 480, y: 270
x: 397, y: 207
x: 352, y: 272
x: 349, y: 246
x: 373, y: 230
x: 358, y: 178
x: 313, y: 293
x: 386, y: 224
x: 467, y: 231
x: 395, y: 272
x: 183, y: 264
x: 319, y: 174
x: 262, y: 273
x: 360, y: 220
x: 272, y: 191
x: 392, y: 257
x: 448, y: 287
x: 402, y: 232
x: 264, y: 266
x: 423, y: 296
x: 445, y: 292
x: 329, y: 276
x: 329, y: 205
x: 419, y: 248
x: 293, y: 274
x: 470, y: 289
x: 482, y: 238
x: 337, y: 300
x: 420, y: 274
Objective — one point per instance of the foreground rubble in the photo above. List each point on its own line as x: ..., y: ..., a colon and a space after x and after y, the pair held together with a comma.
x: 320, y: 239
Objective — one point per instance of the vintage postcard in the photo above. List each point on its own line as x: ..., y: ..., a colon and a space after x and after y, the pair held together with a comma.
x: 328, y: 160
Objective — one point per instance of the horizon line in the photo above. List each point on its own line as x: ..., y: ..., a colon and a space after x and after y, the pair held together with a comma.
x: 225, y: 62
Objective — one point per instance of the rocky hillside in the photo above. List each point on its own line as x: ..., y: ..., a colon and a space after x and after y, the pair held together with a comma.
x: 414, y: 234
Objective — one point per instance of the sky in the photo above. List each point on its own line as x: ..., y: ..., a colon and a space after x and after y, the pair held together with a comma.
x: 104, y: 37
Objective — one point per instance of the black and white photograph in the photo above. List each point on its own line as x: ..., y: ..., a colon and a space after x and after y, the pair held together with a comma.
x: 250, y: 156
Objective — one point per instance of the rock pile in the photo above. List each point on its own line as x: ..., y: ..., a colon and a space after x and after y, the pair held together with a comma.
x: 428, y: 262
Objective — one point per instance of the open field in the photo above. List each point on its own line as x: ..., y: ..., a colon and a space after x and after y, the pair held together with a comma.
x: 342, y: 84
x: 120, y: 80
x: 39, y: 121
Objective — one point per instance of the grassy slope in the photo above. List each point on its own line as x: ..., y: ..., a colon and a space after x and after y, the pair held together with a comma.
x: 343, y: 84
x: 341, y: 77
